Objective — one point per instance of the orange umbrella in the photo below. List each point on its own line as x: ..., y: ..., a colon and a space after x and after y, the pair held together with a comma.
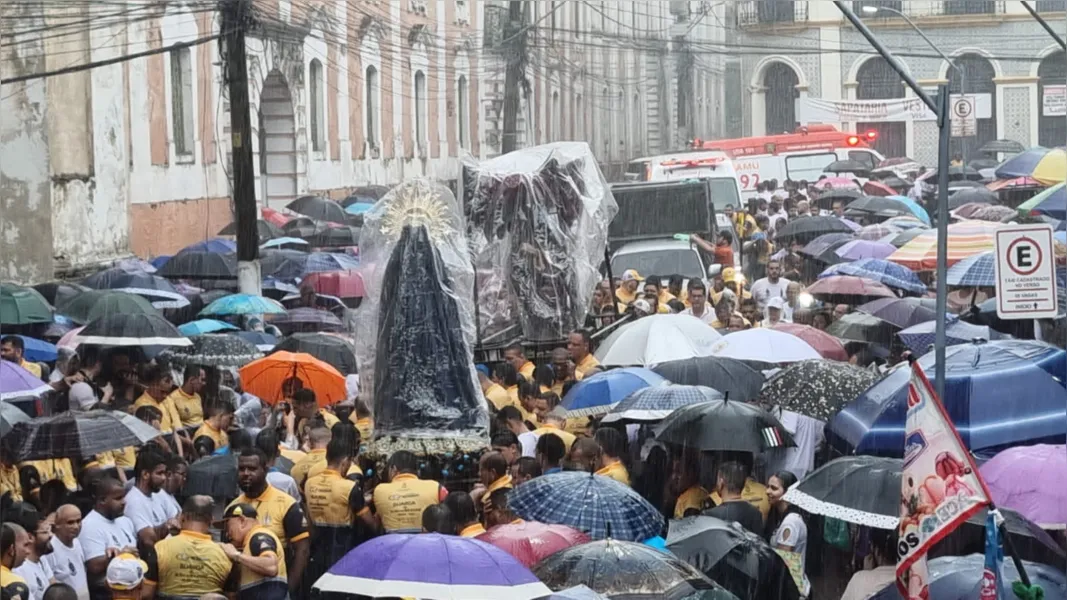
x: 264, y: 377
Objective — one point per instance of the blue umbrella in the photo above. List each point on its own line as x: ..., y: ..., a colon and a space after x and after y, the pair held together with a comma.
x: 359, y: 208
x: 876, y: 269
x: 974, y: 271
x: 998, y: 393
x: 656, y: 403
x: 1022, y: 164
x: 217, y: 245
x: 270, y: 283
x: 242, y: 304
x: 263, y: 341
x: 315, y: 262
x: 596, y: 395
x: 914, y: 207
x: 283, y: 241
x: 203, y: 326
x: 596, y: 505
x: 159, y: 261
x: 960, y: 578
x: 1054, y: 202
x: 920, y: 338
x: 36, y: 350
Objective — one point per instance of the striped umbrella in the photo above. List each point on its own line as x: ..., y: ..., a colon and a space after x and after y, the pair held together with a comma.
x: 1046, y: 165
x: 1051, y: 202
x: 965, y: 238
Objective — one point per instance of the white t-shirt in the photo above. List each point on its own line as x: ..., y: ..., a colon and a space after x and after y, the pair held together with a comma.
x: 763, y: 290
x: 171, y: 508
x: 808, y: 434
x: 37, y: 575
x: 68, y: 566
x: 284, y: 483
x: 100, y: 533
x: 865, y: 584
x: 145, y: 511
x: 528, y: 440
x: 708, y: 317
x: 793, y: 534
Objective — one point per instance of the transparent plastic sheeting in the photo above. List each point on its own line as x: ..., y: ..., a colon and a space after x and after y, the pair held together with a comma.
x: 416, y: 330
x: 537, y: 224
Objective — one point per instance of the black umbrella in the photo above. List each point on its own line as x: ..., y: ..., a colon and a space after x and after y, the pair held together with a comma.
x: 78, y: 435
x: 214, y: 476
x: 978, y: 195
x: 132, y: 330
x: 318, y: 208
x: 896, y: 183
x: 200, y: 265
x: 983, y: 163
x: 11, y: 415
x: 270, y: 261
x: 733, y: 378
x: 215, y: 350
x: 955, y: 174
x: 721, y: 425
x: 901, y: 312
x: 878, y: 205
x: 627, y: 570
x: 365, y: 193
x: 332, y: 237
x: 94, y: 304
x: 826, y: 199
x: 301, y: 227
x: 265, y: 230
x: 824, y: 243
x: 817, y: 388
x: 906, y: 236
x: 737, y: 559
x: 806, y: 229
x: 847, y: 166
x: 59, y: 292
x: 861, y: 327
x: 332, y: 349
x: 306, y: 319
x: 157, y: 290
x: 864, y: 490
x: 1007, y: 146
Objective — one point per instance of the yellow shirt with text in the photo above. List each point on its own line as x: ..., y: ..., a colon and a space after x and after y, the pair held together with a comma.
x: 190, y: 408
x: 190, y: 565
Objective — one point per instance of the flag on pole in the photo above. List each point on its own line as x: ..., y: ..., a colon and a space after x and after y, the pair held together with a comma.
x: 940, y: 485
x: 992, y: 587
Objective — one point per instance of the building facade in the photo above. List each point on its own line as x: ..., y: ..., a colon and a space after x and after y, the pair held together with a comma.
x: 791, y: 50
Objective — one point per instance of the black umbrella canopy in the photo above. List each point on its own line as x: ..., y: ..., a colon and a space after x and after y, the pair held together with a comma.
x: 877, y: 205
x: 901, y: 312
x: 332, y: 237
x: 300, y: 227
x: 94, y: 304
x: 864, y: 490
x: 306, y: 319
x: 58, y: 292
x: 132, y: 330
x: 116, y: 278
x: 817, y: 388
x: 200, y: 266
x: 1007, y: 146
x: 318, y: 208
x: 896, y: 183
x: 846, y: 166
x: 271, y: 260
x: 735, y: 379
x: 365, y: 193
x: 215, y: 350
x: 979, y: 195
x: 861, y: 327
x: 78, y: 435
x: 955, y: 174
x: 724, y: 426
x: 826, y: 199
x: 627, y: 570
x: 265, y: 230
x: 739, y: 560
x: 806, y: 229
x: 906, y: 236
x: 332, y: 349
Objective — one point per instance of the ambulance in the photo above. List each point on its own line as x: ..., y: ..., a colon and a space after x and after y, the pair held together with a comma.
x: 798, y: 156
x: 713, y: 166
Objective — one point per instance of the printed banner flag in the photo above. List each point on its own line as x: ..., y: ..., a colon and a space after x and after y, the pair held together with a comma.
x: 940, y: 485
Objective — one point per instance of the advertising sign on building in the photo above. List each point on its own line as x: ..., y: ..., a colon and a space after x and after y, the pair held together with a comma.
x: 890, y: 110
x: 1054, y: 101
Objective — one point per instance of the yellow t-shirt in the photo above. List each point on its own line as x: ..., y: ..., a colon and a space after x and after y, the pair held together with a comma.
x: 364, y: 426
x: 13, y: 584
x: 503, y: 483
x: 278, y: 512
x: 31, y: 367
x: 219, y: 437
x: 472, y: 530
x: 299, y: 472
x: 400, y: 502
x: 616, y: 471
x: 262, y: 542
x: 567, y: 437
x: 125, y: 458
x: 527, y: 370
x: 54, y: 468
x: 585, y: 365
x: 189, y: 407
x: 190, y: 564
x: 625, y: 296
x: 754, y: 493
x: 293, y: 456
x: 170, y: 420
x: 330, y: 418
x: 693, y: 498
x: 9, y: 482
x: 665, y: 297
x: 328, y: 499
x: 498, y: 396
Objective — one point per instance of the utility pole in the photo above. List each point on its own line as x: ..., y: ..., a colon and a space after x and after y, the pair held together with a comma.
x: 514, y: 48
x: 236, y: 16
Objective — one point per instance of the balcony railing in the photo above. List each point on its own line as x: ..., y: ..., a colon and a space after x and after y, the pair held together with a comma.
x: 763, y: 12
x: 1050, y: 6
x: 857, y: 6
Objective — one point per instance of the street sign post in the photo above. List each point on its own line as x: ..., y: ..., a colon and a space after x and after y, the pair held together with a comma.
x: 964, y: 119
x: 1026, y: 272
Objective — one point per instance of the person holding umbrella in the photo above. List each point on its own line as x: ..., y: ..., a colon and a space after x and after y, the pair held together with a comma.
x: 685, y: 485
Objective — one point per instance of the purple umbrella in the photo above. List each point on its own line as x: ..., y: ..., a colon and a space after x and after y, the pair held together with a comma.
x: 859, y: 249
x: 1020, y: 478
x: 16, y: 382
x: 431, y: 566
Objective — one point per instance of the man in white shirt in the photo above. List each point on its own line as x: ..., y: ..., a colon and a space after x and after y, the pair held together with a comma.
x: 792, y: 301
x: 67, y: 560
x: 177, y: 473
x: 698, y: 300
x: 143, y: 505
x: 105, y: 533
x: 773, y: 285
x: 36, y: 573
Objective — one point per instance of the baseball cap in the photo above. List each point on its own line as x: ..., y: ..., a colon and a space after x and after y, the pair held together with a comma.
x: 483, y: 369
x: 241, y: 509
x: 776, y: 302
x: 631, y: 275
x: 125, y: 572
x: 729, y: 274
x: 81, y: 396
x: 642, y: 305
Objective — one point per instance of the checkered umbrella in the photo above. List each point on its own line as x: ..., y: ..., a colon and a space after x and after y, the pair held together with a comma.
x: 78, y: 435
x: 656, y: 403
x: 887, y: 273
x: 596, y: 505
x: 973, y: 271
x: 920, y: 338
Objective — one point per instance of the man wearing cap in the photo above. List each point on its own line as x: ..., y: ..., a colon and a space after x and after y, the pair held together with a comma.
x: 773, y: 312
x: 276, y: 511
x: 627, y: 291
x: 333, y: 503
x: 190, y: 564
x: 257, y: 554
x: 126, y: 578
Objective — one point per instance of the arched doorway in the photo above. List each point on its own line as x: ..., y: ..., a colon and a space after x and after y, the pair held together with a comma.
x: 876, y: 80
x: 277, y: 143
x: 781, y: 98
x: 1051, y: 124
x: 973, y: 76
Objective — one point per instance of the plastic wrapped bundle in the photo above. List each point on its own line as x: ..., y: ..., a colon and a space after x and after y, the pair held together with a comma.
x: 416, y: 330
x: 537, y: 223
